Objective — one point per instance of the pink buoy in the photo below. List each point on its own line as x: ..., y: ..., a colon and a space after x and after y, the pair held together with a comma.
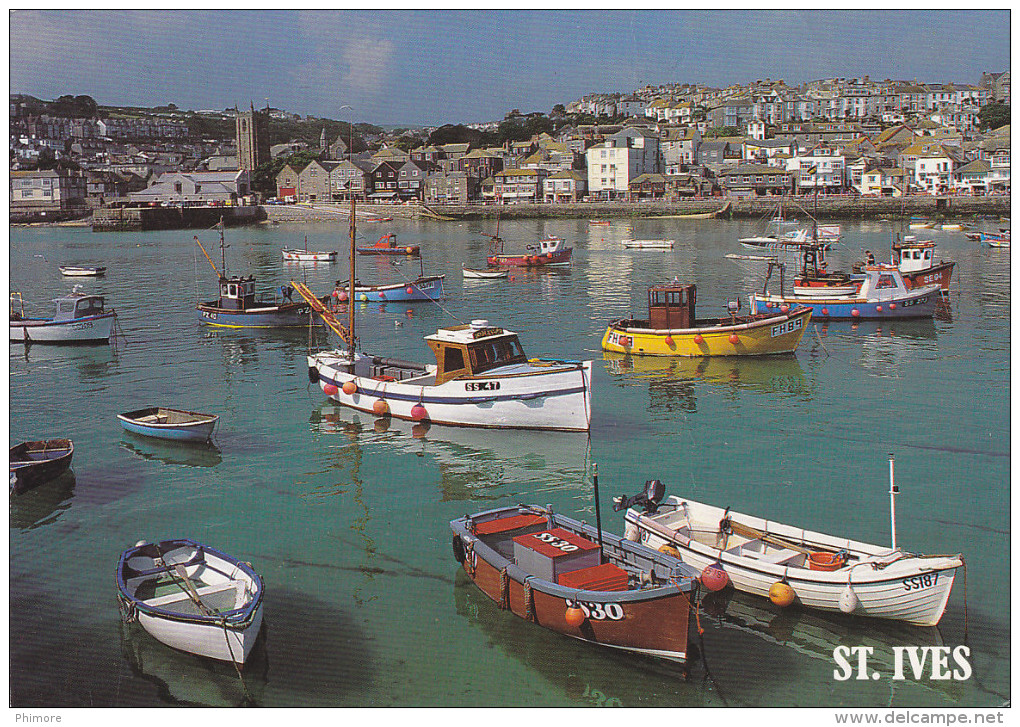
x: 784, y: 308
x: 350, y: 388
x: 825, y: 311
x: 409, y: 290
x: 855, y: 313
x: 714, y: 579
x: 418, y: 413
x: 892, y: 306
x: 878, y: 308
x: 329, y: 390
x: 343, y: 297
x: 698, y: 339
x: 768, y: 304
x: 734, y: 339
x: 382, y: 296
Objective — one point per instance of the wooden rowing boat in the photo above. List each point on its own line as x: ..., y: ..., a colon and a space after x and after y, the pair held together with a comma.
x: 697, y: 216
x: 166, y: 423
x: 33, y: 463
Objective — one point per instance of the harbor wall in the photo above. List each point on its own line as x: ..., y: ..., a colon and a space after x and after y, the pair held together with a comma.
x: 172, y: 218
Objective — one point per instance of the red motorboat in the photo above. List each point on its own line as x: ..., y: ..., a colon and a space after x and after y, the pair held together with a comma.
x: 547, y: 252
x: 387, y: 245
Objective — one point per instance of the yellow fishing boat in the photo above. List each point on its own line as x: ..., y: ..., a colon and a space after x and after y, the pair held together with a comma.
x: 672, y: 329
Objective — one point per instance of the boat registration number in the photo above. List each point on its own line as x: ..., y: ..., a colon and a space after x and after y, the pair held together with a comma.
x: 925, y: 580
x: 207, y: 314
x: 481, y: 386
x: 599, y: 611
x: 550, y: 539
x: 916, y: 301
x: 789, y: 327
x: 83, y: 326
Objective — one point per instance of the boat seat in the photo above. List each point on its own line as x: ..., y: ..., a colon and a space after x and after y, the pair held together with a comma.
x: 778, y: 557
x: 202, y: 591
x: 605, y: 577
x: 505, y: 524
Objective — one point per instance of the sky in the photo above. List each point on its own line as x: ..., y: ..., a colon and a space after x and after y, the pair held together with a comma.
x: 436, y: 67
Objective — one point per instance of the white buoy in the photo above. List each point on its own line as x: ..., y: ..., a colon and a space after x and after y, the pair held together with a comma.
x: 631, y: 533
x: 848, y: 601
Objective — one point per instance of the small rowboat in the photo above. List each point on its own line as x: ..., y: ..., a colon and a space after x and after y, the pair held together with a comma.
x: 548, y: 569
x: 165, y: 423
x: 305, y: 256
x: 649, y: 244
x: 952, y: 226
x: 378, y: 219
x: 32, y: 463
x: 921, y: 225
x: 485, y: 274
x: 192, y: 597
x: 598, y: 222
x: 818, y: 570
x: 387, y: 245
x: 82, y: 271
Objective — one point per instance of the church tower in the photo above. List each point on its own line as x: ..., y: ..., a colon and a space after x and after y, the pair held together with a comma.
x: 252, y: 138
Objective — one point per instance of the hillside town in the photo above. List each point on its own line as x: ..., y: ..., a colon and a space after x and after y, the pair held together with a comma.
x: 838, y: 136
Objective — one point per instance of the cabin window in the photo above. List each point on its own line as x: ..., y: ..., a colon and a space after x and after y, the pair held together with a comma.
x: 232, y: 290
x: 927, y: 254
x: 885, y: 281
x: 490, y: 354
x: 66, y: 306
x: 453, y: 359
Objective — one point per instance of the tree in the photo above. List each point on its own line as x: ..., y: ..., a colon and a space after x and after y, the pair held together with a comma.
x: 559, y: 110
x: 993, y: 115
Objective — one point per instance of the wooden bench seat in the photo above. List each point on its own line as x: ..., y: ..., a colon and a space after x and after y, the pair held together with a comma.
x: 605, y: 577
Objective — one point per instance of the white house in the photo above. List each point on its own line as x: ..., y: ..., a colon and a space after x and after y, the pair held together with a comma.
x: 822, y: 167
x: 933, y: 170
x: 624, y: 156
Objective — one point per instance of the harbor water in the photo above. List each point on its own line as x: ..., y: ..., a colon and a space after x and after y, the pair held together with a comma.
x: 346, y: 516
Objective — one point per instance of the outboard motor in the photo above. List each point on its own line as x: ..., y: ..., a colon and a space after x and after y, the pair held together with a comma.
x: 649, y: 499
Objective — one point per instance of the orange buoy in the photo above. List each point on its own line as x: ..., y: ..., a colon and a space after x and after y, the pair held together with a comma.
x: 380, y: 408
x: 698, y: 339
x: 350, y: 388
x: 418, y: 413
x: 669, y: 550
x: 878, y: 308
x: 714, y: 579
x: 669, y: 341
x: 784, y: 308
x: 409, y: 250
x: 409, y: 290
x: 409, y: 312
x: 574, y: 616
x: 734, y: 339
x: 825, y: 311
x: 782, y: 594
x: 329, y: 389
x: 855, y: 313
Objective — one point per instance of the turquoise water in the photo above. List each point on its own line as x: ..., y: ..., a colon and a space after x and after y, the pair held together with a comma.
x: 347, y: 517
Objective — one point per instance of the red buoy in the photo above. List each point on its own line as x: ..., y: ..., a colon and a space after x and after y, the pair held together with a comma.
x: 382, y: 296
x: 409, y: 290
x: 734, y: 339
x: 784, y: 308
x: 574, y: 616
x: 410, y: 311
x: 698, y: 340
x: 892, y: 306
x: 329, y: 389
x: 343, y: 296
x: 714, y: 579
x: 878, y: 308
x: 350, y: 388
x: 418, y: 413
x: 825, y: 311
x: 669, y: 341
x: 855, y: 313
x: 768, y: 304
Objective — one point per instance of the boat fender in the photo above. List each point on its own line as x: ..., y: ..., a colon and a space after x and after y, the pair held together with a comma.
x: 380, y: 408
x: 825, y: 311
x: 698, y: 339
x: 669, y: 550
x: 632, y: 533
x: 714, y: 578
x: 409, y: 250
x: 458, y: 549
x: 574, y: 616
x: 330, y: 389
x: 878, y: 309
x: 669, y: 341
x: 855, y: 313
x: 734, y: 339
x: 419, y: 413
x: 782, y: 594
x: 848, y: 601
x: 313, y: 375
x: 350, y: 388
x: 409, y: 290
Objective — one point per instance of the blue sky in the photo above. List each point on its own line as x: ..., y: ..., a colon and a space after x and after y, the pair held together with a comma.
x: 436, y: 67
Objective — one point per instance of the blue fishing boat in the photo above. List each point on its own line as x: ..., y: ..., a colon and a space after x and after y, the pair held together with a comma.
x: 424, y: 288
x: 882, y: 295
x: 239, y: 307
x: 174, y: 424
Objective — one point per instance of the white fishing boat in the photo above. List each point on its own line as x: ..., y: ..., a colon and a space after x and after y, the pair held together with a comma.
x: 650, y: 244
x: 308, y: 256
x: 82, y: 271
x: 192, y: 597
x: 794, y: 565
x: 481, y: 377
x: 488, y: 274
x: 78, y: 318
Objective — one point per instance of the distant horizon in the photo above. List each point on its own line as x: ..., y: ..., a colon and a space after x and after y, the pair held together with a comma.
x: 431, y: 68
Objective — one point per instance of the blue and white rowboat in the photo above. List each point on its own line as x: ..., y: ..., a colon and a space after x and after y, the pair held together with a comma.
x: 174, y: 424
x: 427, y: 288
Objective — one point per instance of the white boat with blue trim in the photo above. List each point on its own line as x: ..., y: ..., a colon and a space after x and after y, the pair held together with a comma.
x: 79, y: 318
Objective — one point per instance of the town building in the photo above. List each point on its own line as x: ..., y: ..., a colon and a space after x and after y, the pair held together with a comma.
x: 252, y: 133
x: 48, y: 191
x: 195, y: 188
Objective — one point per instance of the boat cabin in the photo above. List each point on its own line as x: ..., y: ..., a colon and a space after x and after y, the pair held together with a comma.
x: 237, y: 293
x: 671, y: 306
x: 882, y: 282
x: 473, y: 349
x: 78, y: 306
x: 912, y: 255
x: 389, y: 240
x: 545, y: 246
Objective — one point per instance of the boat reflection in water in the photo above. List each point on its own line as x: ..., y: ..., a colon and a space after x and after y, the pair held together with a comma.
x: 192, y: 454
x: 92, y: 362
x: 472, y: 461
x: 816, y: 635
x: 587, y: 675
x: 42, y: 505
x: 676, y: 378
x: 188, y: 680
x: 885, y: 347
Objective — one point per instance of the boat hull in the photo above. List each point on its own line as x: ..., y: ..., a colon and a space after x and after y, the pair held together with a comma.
x: 772, y: 335
x: 81, y: 272
x: 918, y: 304
x: 939, y: 274
x: 559, y: 399
x: 200, y: 429
x: 309, y: 257
x: 554, y: 259
x: 652, y: 623
x: 292, y: 315
x: 911, y: 589
x: 33, y: 463
x: 484, y: 274
x: 209, y: 640
x: 90, y: 329
x: 648, y: 244
x: 406, y: 251
x: 430, y: 288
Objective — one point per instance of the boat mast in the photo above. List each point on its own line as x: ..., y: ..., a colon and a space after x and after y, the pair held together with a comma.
x: 223, y: 251
x: 350, y: 291
x: 598, y: 510
x: 893, y: 490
